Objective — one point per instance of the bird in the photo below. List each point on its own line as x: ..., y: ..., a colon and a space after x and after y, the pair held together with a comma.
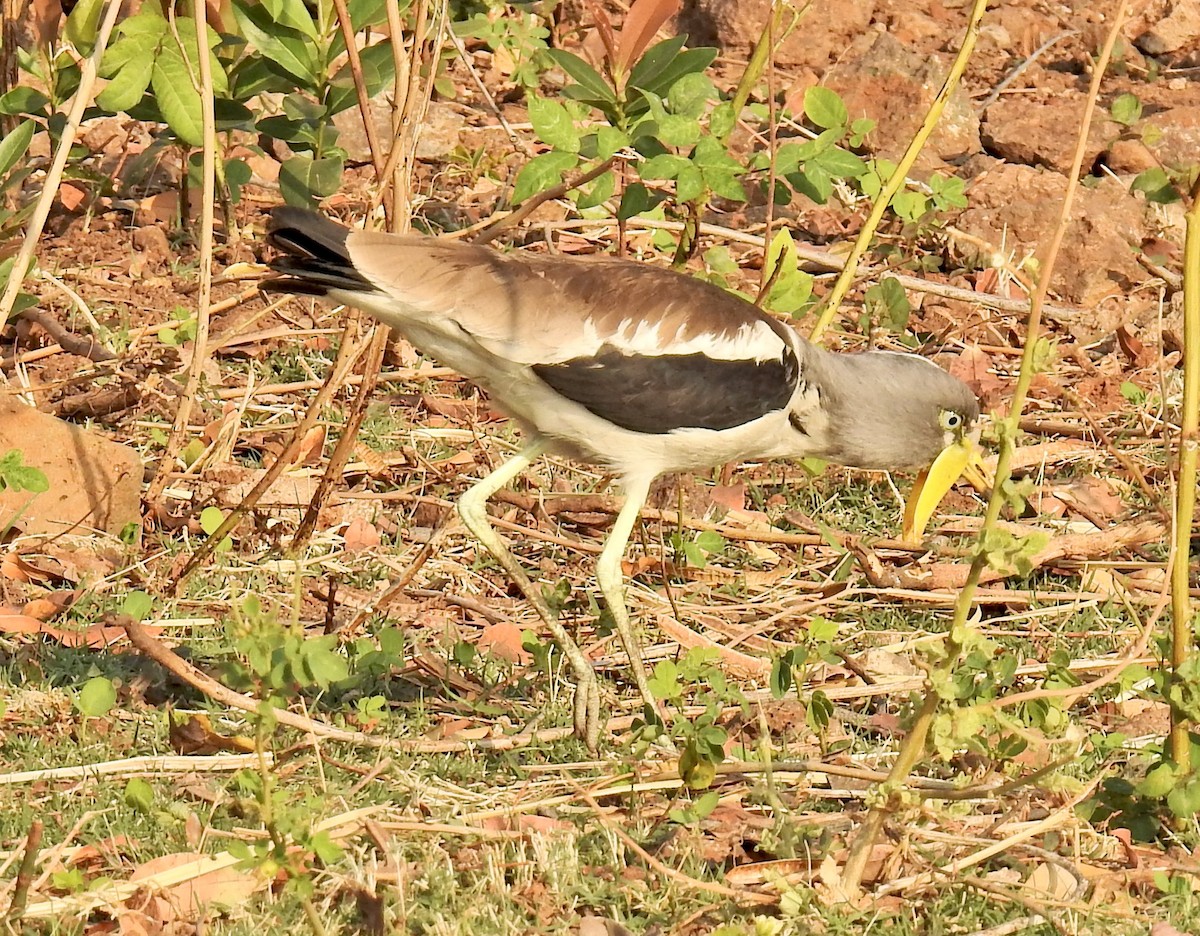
x: 637, y: 369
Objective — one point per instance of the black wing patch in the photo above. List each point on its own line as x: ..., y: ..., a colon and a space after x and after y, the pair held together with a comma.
x: 314, y: 258
x: 658, y: 393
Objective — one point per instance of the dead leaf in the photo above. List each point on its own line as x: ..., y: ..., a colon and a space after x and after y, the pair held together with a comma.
x: 1132, y: 347
x: 194, y: 734
x: 730, y: 497
x: 13, y: 566
x: 1051, y: 881
x: 94, y: 483
x: 642, y: 23
x: 71, y: 196
x: 974, y: 368
x: 360, y: 535
x: 311, y: 447
x: 601, y: 926
x: 504, y: 640
x: 193, y: 898
x: 108, y: 850
x: 13, y: 622
x: 41, y: 609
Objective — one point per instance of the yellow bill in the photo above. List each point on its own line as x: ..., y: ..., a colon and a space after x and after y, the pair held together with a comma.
x: 958, y: 458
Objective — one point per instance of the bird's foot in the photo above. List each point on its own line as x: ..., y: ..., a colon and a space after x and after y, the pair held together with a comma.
x: 587, y: 708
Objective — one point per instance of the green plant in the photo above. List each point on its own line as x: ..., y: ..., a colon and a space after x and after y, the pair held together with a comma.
x: 514, y: 32
x: 278, y: 662
x: 697, y: 675
x: 813, y: 167
x: 183, y: 332
x: 17, y: 476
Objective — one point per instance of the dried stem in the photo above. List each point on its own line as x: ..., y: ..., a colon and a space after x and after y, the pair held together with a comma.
x: 1182, y: 639
x: 914, y: 743
x: 41, y: 211
x: 834, y: 300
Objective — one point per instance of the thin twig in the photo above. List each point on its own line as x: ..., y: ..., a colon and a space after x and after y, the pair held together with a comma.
x: 41, y: 210
x: 531, y: 204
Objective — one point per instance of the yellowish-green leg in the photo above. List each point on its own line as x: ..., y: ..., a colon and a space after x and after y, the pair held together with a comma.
x: 612, y: 584
x: 472, y: 508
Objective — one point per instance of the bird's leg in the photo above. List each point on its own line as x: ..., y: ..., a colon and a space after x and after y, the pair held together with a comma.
x: 472, y: 508
x: 612, y: 585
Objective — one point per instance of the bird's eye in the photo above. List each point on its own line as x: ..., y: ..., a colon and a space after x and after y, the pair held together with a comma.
x: 950, y: 419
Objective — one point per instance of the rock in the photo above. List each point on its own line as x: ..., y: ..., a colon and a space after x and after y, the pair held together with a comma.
x: 894, y: 86
x: 1041, y: 131
x: 441, y: 131
x: 736, y: 25
x: 1179, y: 29
x: 1129, y: 157
x: 152, y: 241
x: 1174, y: 136
x: 95, y: 484
x: 1016, y: 207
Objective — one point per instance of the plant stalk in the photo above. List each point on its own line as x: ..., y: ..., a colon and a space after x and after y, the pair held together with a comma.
x: 842, y: 286
x: 1182, y: 641
x: 913, y: 746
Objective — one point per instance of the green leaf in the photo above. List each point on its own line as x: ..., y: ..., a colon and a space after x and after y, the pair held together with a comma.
x: 1156, y: 185
x: 541, y: 172
x: 580, y: 71
x: 137, y: 604
x: 284, y: 47
x: 211, y: 519
x: 689, y: 183
x: 820, y: 711
x: 610, y: 140
x: 822, y: 630
x: 637, y: 198
x: 666, y: 166
x: 553, y: 124
x: 689, y: 96
x: 1126, y: 109
x: 654, y: 61
x: 292, y: 13
x: 910, y: 206
x: 23, y: 100
x: 791, y: 287
x: 601, y: 191
x: 727, y: 185
x: 825, y: 108
x: 96, y: 698
x: 1184, y: 800
x: 304, y: 180
x: 148, y: 23
x: 378, y: 70
x: 813, y: 181
x: 677, y: 130
x: 139, y: 795
x: 781, y: 677
x: 664, y: 682
x: 841, y: 164
x: 1158, y: 782
x: 82, y: 25
x: 127, y: 86
x: 711, y: 154
x: 177, y: 97
x: 14, y: 145
x: 722, y: 120
x: 140, y: 48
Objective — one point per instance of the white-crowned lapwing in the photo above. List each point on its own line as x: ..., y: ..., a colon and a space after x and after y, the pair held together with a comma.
x: 637, y: 369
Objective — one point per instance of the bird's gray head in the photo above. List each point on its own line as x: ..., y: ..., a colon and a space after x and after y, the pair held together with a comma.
x: 886, y: 411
